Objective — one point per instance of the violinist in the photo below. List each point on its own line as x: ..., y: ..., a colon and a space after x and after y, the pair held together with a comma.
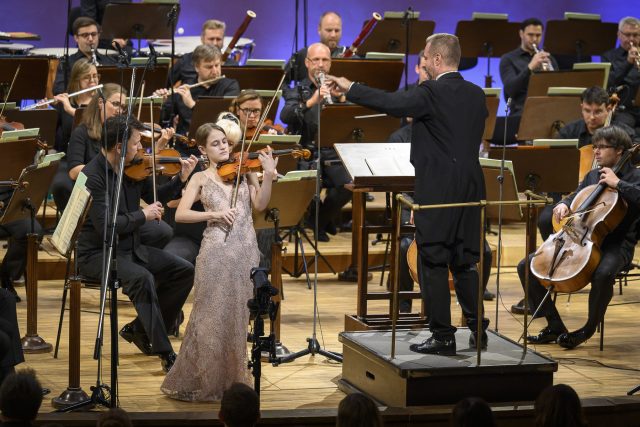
x: 86, y: 140
x: 86, y: 33
x: 212, y: 35
x: 625, y: 68
x: 609, y: 143
x: 300, y: 113
x: 157, y: 282
x: 248, y: 108
x: 207, y: 62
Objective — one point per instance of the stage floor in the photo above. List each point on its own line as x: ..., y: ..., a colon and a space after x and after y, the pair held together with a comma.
x: 311, y: 382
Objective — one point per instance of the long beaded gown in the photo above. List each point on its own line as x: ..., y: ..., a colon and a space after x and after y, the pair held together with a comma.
x: 214, y: 349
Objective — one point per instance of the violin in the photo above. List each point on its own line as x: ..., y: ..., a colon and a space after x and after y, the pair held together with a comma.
x: 145, y: 136
x: 267, y: 127
x: 7, y: 125
x: 167, y: 163
x: 228, y: 170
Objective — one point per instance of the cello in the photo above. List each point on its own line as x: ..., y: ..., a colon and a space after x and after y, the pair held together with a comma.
x: 567, y: 260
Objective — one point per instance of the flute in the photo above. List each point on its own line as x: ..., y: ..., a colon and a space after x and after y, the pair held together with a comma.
x: 206, y: 82
x: 51, y: 101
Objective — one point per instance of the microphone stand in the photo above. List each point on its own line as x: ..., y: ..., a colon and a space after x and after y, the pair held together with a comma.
x: 406, y: 21
x: 172, y: 18
x: 65, y: 57
x: 500, y: 178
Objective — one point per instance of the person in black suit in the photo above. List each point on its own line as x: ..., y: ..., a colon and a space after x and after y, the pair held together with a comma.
x: 156, y: 281
x: 10, y: 346
x: 444, y: 152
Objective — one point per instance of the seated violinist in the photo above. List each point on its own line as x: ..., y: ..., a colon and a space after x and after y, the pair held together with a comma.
x: 248, y: 108
x: 610, y: 144
x: 157, y: 281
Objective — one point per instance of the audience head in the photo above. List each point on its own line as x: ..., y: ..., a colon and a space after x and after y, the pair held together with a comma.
x: 114, y: 417
x: 213, y: 33
x: 472, y: 412
x: 441, y: 54
x: 20, y: 396
x: 558, y: 405
x: 595, y: 109
x: 358, y: 410
x: 240, y: 406
x: 530, y: 33
x: 83, y: 75
x: 86, y: 33
x: 629, y: 32
x: 207, y: 60
x: 330, y: 29
x: 318, y: 60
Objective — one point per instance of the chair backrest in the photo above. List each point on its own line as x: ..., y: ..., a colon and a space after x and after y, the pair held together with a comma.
x: 68, y: 228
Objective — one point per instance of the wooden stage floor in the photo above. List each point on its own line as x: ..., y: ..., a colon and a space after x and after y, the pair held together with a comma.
x: 311, y: 382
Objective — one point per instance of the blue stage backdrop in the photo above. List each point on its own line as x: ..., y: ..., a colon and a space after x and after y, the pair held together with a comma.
x: 274, y: 26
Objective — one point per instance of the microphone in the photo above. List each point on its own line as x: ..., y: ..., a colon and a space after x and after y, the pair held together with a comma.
x: 153, y: 55
x: 617, y: 89
x: 121, y: 51
x: 320, y: 81
x: 407, y: 15
x: 507, y: 108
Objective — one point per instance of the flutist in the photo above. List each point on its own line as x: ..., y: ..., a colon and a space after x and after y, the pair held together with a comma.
x: 207, y: 63
x: 625, y: 69
x: 86, y: 33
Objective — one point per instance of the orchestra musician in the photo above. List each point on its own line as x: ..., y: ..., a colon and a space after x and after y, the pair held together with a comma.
x: 83, y: 75
x: 86, y: 33
x: 444, y: 152
x: 156, y: 281
x: 609, y: 145
x: 330, y: 32
x: 207, y: 62
x: 300, y: 113
x: 625, y: 68
x: 86, y: 141
x: 247, y: 107
x: 212, y: 35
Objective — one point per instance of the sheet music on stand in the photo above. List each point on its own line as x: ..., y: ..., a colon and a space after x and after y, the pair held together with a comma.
x: 64, y: 236
x: 377, y: 163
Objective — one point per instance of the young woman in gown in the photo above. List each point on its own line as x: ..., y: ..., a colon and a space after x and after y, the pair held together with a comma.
x: 214, y: 349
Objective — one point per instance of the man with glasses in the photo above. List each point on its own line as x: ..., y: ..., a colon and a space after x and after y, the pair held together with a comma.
x: 609, y: 143
x: 300, y: 113
x: 86, y: 33
x: 624, y: 68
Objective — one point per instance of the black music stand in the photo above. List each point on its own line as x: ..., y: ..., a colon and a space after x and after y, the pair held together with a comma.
x: 487, y: 38
x: 266, y: 78
x: 387, y: 36
x: 46, y: 120
x: 31, y: 82
x: 539, y: 83
x: 155, y: 78
x: 381, y: 74
x: 544, y: 115
x: 343, y: 123
x: 581, y: 38
x: 137, y: 21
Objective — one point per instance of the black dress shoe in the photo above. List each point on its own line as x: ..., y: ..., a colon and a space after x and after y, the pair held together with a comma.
x: 175, y: 329
x: 322, y: 236
x: 167, y: 360
x: 488, y: 295
x: 573, y: 339
x: 484, y: 340
x: 13, y: 292
x: 545, y: 336
x: 519, y: 308
x: 331, y: 229
x: 138, y: 338
x: 434, y: 346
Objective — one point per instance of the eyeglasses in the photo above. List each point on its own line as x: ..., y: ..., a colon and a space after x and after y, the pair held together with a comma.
x: 90, y: 77
x: 93, y: 34
x: 602, y: 146
x: 251, y: 111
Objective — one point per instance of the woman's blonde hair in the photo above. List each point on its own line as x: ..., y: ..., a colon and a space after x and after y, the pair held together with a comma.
x: 81, y: 68
x: 91, y: 116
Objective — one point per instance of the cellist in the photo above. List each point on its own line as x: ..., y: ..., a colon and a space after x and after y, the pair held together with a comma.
x: 609, y: 143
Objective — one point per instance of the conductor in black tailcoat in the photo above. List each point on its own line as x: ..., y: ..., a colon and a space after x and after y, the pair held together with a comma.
x: 448, y: 121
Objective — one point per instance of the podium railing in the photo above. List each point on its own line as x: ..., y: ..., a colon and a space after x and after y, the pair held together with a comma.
x: 532, y: 200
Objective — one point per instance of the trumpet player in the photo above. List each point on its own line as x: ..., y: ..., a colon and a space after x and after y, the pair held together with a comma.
x: 517, y: 66
x: 625, y: 68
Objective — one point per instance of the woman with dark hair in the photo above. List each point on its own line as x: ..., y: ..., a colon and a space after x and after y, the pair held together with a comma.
x: 358, y: 410
x: 559, y: 406
x: 472, y: 412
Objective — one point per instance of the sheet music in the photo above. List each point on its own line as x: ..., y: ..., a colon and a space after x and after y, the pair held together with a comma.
x: 385, y: 166
x: 63, y: 235
x: 376, y: 159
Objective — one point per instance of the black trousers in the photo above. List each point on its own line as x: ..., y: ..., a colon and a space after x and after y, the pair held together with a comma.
x: 545, y: 226
x: 10, y: 346
x: 15, y: 260
x: 157, y: 288
x: 184, y: 247
x: 156, y: 234
x: 334, y: 177
x: 602, y: 281
x: 435, y: 262
x: 62, y: 186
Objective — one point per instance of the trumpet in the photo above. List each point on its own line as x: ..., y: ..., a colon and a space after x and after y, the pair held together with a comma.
x: 637, y: 55
x: 546, y: 66
x: 51, y: 101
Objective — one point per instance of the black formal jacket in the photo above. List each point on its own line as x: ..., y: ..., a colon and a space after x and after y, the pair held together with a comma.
x: 577, y: 129
x: 448, y: 122
x: 130, y: 216
x: 622, y: 73
x: 296, y: 70
x: 58, y: 84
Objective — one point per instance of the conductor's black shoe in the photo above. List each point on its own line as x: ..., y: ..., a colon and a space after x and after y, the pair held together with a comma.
x: 545, y: 336
x: 573, y: 339
x: 484, y: 340
x: 167, y: 360
x: 13, y: 292
x: 519, y: 308
x: 322, y: 236
x: 488, y: 296
x: 434, y: 346
x: 331, y: 228
x: 138, y: 338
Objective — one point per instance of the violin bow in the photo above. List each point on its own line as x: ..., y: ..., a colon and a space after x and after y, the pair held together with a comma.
x: 6, y: 96
x: 153, y: 152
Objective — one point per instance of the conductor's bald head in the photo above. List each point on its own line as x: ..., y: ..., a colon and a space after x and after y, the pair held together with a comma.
x: 447, y: 46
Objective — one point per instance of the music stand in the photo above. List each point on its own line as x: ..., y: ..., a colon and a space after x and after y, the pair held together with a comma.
x: 155, y: 78
x: 343, y: 123
x: 487, y: 38
x: 22, y: 155
x: 542, y: 115
x: 580, y: 37
x: 136, y: 21
x: 491, y: 172
x: 207, y: 109
x: 45, y: 120
x: 24, y: 203
x: 31, y: 82
x: 539, y: 83
x: 385, y: 75
x: 254, y: 77
x: 386, y: 36
x: 492, y: 103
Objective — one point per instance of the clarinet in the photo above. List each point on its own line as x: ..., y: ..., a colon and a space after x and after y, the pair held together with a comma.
x: 320, y: 80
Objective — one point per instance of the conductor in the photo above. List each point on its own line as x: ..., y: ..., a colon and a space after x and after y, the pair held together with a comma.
x: 444, y: 152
